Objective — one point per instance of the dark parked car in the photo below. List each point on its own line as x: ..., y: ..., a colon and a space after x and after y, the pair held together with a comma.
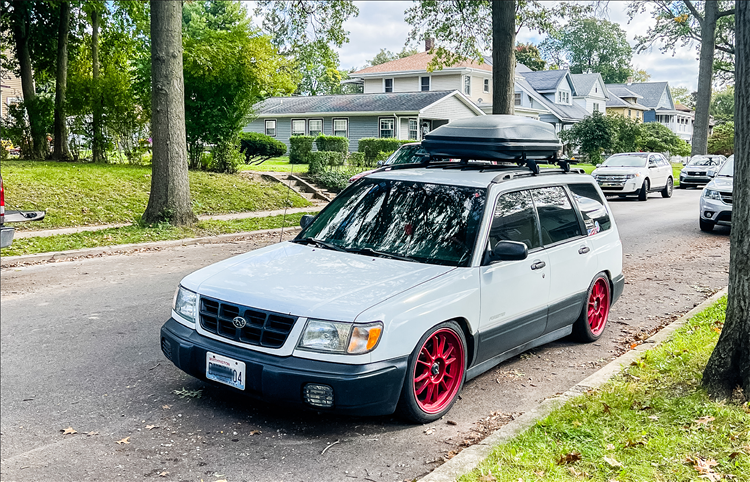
x: 7, y: 232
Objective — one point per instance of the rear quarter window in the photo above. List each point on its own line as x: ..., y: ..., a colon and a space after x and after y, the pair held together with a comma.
x: 594, y: 212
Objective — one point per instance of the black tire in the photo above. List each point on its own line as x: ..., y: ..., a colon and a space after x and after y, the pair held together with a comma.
x: 706, y: 226
x: 681, y: 186
x: 411, y: 405
x: 667, y: 191
x: 594, y: 315
x: 643, y: 193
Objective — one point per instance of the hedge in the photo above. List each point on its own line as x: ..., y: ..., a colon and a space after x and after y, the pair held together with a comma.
x: 300, y: 149
x: 332, y: 143
x: 259, y: 147
x: 319, y: 160
x: 357, y: 159
x: 372, y: 146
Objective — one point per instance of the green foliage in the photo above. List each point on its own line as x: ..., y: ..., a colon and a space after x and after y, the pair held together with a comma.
x: 657, y: 137
x: 334, y: 181
x: 528, y: 54
x: 373, y: 146
x: 628, y: 133
x: 722, y: 105
x: 386, y: 55
x: 259, y: 147
x: 319, y: 161
x: 332, y: 143
x: 317, y: 69
x: 226, y: 157
x: 591, y: 45
x: 300, y: 148
x: 683, y: 96
x: 722, y: 139
x: 16, y: 126
x: 228, y: 67
x: 593, y: 135
x: 356, y: 159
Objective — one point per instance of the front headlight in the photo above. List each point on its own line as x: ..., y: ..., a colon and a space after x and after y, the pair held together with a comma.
x: 337, y: 337
x: 711, y: 194
x: 632, y: 176
x: 185, y: 304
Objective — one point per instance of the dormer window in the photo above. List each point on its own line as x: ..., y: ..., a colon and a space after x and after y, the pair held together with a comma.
x: 563, y: 97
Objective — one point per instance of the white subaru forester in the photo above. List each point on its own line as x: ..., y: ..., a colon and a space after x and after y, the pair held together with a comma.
x: 411, y: 281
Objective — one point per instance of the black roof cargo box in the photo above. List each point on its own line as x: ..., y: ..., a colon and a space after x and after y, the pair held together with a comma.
x: 493, y: 137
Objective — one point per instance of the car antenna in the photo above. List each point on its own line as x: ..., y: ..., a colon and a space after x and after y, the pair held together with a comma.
x: 286, y: 203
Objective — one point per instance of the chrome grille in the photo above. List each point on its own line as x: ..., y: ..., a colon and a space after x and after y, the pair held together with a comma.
x: 262, y: 328
x: 611, y: 178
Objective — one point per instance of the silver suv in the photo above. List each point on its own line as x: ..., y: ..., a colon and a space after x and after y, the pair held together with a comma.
x: 716, y: 200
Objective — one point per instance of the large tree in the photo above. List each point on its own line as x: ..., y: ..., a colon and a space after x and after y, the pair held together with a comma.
x: 680, y: 23
x: 60, y: 150
x: 729, y: 365
x: 386, y: 55
x: 528, y: 54
x: 591, y: 45
x: 170, y: 188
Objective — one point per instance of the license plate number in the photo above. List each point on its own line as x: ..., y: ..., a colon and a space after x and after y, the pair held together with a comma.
x: 610, y: 184
x: 225, y: 370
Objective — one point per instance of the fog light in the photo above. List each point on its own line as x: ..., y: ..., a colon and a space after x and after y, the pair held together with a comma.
x: 708, y: 214
x: 318, y: 395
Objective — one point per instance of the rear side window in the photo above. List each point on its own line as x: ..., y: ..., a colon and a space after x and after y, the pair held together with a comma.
x: 514, y: 220
x: 591, y: 205
x: 557, y: 218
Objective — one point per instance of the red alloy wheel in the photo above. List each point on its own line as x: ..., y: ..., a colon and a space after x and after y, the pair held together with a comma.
x: 438, y: 371
x: 598, y: 308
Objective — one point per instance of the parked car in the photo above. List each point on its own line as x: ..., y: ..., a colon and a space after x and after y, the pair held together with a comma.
x: 696, y: 172
x: 716, y: 200
x: 406, y: 154
x: 411, y: 281
x: 7, y: 232
x: 635, y: 174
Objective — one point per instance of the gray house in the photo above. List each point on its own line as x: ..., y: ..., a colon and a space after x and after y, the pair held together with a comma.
x: 400, y: 115
x: 554, y: 91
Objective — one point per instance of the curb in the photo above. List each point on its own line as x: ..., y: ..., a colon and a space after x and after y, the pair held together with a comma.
x: 57, y: 256
x: 469, y: 458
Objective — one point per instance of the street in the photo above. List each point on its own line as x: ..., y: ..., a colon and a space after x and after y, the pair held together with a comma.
x: 80, y: 350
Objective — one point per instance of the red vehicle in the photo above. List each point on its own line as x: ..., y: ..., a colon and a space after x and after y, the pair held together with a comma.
x: 7, y: 232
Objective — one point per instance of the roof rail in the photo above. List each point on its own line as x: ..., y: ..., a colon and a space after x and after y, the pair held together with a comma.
x: 532, y: 165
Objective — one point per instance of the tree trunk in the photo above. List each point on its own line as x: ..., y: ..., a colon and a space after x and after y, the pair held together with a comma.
x: 21, y: 27
x: 705, y: 78
x: 170, y: 188
x: 97, y: 143
x: 729, y: 365
x: 503, y: 56
x: 61, y: 85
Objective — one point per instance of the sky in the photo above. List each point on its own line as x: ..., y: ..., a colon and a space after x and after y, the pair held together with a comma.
x: 381, y: 24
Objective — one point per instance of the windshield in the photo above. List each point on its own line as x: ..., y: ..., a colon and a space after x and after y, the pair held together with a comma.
x: 427, y: 223
x: 407, y: 155
x: 627, y: 160
x: 727, y: 169
x: 704, y: 161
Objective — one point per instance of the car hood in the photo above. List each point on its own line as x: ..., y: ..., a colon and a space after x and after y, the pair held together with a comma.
x: 615, y: 170
x: 721, y: 183
x: 311, y: 282
x: 699, y: 168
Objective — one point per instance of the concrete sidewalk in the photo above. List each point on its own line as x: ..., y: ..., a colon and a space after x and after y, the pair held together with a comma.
x: 218, y: 217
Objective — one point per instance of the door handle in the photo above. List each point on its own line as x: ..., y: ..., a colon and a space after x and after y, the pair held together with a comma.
x: 584, y: 250
x: 538, y: 265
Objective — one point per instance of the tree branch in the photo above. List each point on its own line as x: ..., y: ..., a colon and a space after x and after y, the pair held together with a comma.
x: 726, y: 13
x: 729, y: 50
x: 694, y: 11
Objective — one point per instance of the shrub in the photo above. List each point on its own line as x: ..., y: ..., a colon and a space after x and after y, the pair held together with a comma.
x: 372, y: 146
x: 320, y: 160
x: 722, y: 140
x: 300, y: 148
x: 334, y: 181
x: 356, y: 159
x: 382, y: 156
x: 259, y: 147
x: 226, y: 157
x: 332, y: 143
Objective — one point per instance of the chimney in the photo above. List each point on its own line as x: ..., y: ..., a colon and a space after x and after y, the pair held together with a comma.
x: 429, y: 44
x: 630, y: 80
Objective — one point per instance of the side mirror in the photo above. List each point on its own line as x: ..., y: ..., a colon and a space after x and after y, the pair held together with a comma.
x: 381, y: 163
x: 306, y: 220
x: 509, y: 251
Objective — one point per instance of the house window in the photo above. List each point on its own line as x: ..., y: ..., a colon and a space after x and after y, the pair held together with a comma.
x: 425, y: 84
x: 387, y: 85
x: 596, y: 106
x: 316, y: 127
x: 341, y: 127
x: 563, y: 97
x: 487, y: 86
x: 413, y: 131
x: 517, y: 98
x: 271, y: 128
x: 386, y: 127
x: 630, y: 113
x: 467, y: 85
x: 298, y: 127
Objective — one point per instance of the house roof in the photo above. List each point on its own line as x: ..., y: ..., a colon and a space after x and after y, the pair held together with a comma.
x: 616, y: 102
x: 416, y: 62
x: 544, y: 80
x: 357, y: 103
x: 682, y: 108
x: 623, y: 92
x: 651, y: 92
x: 566, y: 113
x: 583, y: 83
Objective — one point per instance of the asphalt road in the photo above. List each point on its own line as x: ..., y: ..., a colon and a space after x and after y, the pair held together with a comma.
x: 80, y: 350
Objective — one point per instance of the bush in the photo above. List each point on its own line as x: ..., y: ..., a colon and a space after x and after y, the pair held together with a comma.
x: 300, y: 148
x: 356, y: 159
x: 260, y: 147
x: 722, y: 140
x: 382, y: 156
x: 320, y: 160
x: 332, y: 143
x: 226, y: 157
x: 334, y: 181
x: 372, y: 146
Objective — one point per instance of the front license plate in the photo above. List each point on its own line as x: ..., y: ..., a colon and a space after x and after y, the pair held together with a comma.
x: 225, y: 370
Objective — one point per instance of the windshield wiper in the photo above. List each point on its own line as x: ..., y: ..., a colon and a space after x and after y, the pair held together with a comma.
x: 381, y: 254
x: 320, y: 243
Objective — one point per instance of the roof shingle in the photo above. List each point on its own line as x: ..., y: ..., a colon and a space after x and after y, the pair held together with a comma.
x: 380, y: 102
x: 414, y: 62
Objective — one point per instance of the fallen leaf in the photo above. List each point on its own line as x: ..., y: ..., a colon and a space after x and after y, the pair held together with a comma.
x: 126, y: 440
x: 607, y: 408
x: 163, y: 474
x: 612, y: 462
x: 704, y: 420
x: 92, y: 433
x: 734, y: 455
x: 255, y: 432
x: 69, y: 431
x: 166, y: 407
x: 429, y: 431
x: 151, y: 427
x: 610, y: 447
x: 539, y: 473
x: 451, y: 422
x: 487, y: 478
x: 569, y: 458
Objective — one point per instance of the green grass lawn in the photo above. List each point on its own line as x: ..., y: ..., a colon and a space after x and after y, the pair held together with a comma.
x: 652, y: 423
x: 143, y: 234
x: 77, y: 194
x: 277, y: 164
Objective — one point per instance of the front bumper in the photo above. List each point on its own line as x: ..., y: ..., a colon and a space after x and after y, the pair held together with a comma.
x: 628, y: 187
x: 715, y: 211
x: 686, y: 179
x: 370, y: 389
x: 6, y: 236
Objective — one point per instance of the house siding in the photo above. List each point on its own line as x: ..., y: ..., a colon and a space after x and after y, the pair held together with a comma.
x: 373, y: 86
x: 649, y: 116
x: 446, y: 82
x: 448, y: 108
x: 406, y: 84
